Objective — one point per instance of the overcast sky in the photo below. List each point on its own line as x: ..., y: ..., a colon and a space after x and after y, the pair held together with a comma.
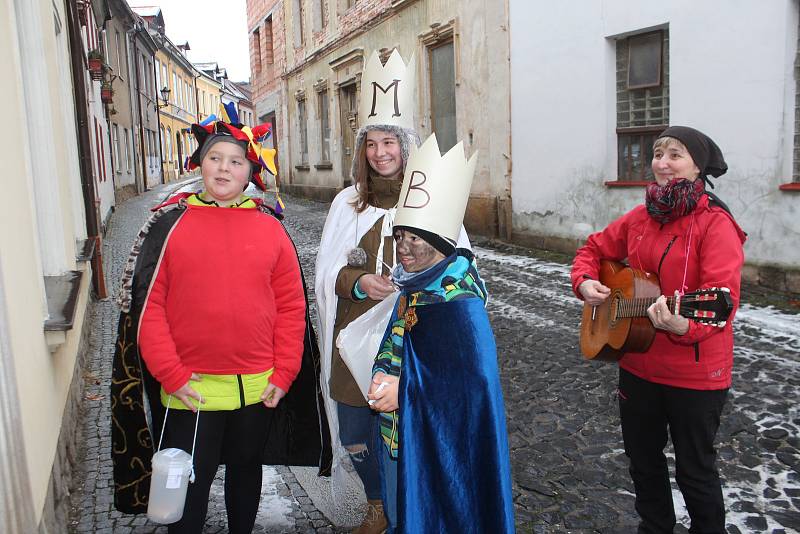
x: 216, y: 31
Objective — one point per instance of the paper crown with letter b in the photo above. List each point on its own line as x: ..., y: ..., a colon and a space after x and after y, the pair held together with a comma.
x: 436, y: 189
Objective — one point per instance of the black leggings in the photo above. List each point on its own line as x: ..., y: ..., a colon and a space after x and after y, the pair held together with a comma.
x: 235, y: 438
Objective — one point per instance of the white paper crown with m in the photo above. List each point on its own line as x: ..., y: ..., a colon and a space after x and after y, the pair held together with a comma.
x: 436, y: 189
x: 387, y: 92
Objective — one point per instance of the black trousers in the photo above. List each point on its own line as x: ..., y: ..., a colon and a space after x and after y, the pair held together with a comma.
x: 235, y: 438
x: 647, y: 411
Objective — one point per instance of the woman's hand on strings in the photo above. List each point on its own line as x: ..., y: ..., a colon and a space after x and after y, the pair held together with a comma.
x: 663, y: 319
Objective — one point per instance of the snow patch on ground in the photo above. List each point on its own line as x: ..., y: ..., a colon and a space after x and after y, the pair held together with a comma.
x: 754, y: 493
x: 510, y: 311
x: 772, y: 325
x: 274, y: 511
x: 525, y: 262
x: 562, y: 295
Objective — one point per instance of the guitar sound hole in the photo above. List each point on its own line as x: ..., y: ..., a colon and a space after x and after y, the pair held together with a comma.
x: 614, y: 309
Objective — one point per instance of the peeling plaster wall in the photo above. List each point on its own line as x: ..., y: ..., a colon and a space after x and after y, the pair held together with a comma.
x: 733, y: 79
x: 480, y: 29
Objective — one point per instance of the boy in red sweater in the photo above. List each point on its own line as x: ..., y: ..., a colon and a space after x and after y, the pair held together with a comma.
x: 222, y: 326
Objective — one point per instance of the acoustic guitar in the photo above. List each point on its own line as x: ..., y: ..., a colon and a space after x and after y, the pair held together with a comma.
x: 620, y: 324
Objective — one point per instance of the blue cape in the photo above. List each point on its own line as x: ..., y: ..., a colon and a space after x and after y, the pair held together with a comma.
x: 453, y: 471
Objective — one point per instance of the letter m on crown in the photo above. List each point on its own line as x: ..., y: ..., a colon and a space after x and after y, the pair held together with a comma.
x: 375, y: 87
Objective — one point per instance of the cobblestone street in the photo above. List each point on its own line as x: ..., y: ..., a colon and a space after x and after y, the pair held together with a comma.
x: 570, y: 473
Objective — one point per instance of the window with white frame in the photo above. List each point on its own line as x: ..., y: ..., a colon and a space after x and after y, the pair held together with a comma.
x: 642, y: 82
x: 148, y: 76
x: 120, y: 55
x: 115, y: 140
x: 190, y: 92
x: 127, y: 151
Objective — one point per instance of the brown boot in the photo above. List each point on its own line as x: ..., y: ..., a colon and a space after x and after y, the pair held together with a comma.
x: 374, y: 521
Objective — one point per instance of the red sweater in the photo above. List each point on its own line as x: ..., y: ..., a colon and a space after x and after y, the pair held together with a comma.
x: 226, y: 298
x: 703, y: 357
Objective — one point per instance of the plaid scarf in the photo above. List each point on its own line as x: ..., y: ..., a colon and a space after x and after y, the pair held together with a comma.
x: 673, y: 200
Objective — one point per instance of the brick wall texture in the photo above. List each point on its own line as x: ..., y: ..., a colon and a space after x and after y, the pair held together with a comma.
x: 267, y: 56
x: 268, y: 43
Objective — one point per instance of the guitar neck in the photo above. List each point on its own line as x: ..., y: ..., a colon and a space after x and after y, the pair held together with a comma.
x: 637, y: 307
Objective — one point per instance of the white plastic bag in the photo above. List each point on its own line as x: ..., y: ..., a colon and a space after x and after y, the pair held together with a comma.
x: 360, y: 341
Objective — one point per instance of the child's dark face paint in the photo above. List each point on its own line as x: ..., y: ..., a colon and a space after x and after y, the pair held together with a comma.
x: 414, y: 253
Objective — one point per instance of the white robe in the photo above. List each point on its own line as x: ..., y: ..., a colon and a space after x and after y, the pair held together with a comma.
x: 343, y: 230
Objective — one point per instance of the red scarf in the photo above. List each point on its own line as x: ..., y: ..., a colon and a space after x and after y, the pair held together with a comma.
x: 673, y: 200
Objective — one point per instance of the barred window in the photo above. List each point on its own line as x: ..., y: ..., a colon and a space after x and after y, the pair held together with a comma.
x: 303, y: 119
x: 642, y: 101
x: 324, y: 126
x: 256, y: 50
x: 443, y: 94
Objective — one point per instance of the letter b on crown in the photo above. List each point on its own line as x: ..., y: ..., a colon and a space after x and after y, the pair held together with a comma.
x: 418, y: 178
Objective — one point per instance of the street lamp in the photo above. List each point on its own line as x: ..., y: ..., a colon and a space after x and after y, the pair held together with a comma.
x: 165, y: 97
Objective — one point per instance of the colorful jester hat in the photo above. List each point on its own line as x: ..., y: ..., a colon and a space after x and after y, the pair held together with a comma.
x: 258, y: 155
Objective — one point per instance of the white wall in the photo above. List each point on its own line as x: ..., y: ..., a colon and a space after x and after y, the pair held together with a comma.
x: 38, y: 228
x: 731, y: 76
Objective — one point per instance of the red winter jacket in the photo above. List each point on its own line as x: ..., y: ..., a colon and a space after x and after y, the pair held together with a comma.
x: 226, y: 298
x: 703, y: 357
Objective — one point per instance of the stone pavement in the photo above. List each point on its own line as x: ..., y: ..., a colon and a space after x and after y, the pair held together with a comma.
x: 570, y: 473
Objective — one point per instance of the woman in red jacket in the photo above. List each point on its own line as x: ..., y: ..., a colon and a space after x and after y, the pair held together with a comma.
x: 688, y: 238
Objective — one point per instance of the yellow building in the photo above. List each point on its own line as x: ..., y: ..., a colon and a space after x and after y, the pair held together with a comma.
x: 176, y: 73
x: 208, y: 95
x: 179, y: 111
